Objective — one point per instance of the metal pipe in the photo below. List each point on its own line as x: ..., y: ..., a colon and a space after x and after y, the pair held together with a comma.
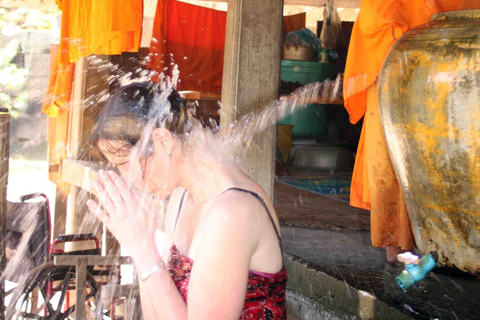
x: 416, y: 272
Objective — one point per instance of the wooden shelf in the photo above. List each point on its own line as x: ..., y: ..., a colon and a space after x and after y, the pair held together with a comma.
x: 216, y: 96
x: 325, y: 101
x: 337, y: 101
x: 198, y: 95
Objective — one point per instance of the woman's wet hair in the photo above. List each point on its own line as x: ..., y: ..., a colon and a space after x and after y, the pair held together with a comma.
x: 128, y: 112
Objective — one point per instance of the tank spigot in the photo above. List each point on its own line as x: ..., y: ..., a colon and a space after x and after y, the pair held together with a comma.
x: 415, y: 270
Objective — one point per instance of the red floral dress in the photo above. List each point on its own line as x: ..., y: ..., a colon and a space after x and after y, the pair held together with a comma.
x: 265, y: 297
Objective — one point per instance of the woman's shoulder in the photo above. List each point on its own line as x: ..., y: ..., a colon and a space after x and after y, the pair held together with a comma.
x: 240, y: 202
x: 233, y: 216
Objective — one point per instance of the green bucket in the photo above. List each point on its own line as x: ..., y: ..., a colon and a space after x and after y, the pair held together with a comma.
x: 311, y: 120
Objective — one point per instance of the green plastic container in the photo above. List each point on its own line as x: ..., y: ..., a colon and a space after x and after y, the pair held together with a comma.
x: 310, y: 121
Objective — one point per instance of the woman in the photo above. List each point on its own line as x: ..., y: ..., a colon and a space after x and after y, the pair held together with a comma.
x: 223, y: 258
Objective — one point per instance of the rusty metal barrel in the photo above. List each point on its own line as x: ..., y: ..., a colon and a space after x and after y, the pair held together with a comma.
x: 429, y: 95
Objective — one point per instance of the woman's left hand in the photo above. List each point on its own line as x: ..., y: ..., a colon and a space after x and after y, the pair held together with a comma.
x: 126, y: 213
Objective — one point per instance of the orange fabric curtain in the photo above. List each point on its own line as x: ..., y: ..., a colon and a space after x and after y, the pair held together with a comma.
x: 99, y: 27
x: 193, y: 37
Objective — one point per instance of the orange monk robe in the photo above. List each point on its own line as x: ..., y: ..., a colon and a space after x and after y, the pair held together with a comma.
x: 99, y: 27
x: 374, y: 185
x: 193, y: 38
x: 56, y: 106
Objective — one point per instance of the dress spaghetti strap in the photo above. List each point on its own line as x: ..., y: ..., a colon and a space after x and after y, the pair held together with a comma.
x: 256, y: 195
x: 179, y: 209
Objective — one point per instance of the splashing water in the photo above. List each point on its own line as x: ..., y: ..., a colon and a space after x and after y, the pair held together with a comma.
x: 198, y: 142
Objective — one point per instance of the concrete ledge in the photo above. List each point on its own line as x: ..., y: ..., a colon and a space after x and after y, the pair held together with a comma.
x: 301, y: 308
x: 307, y: 282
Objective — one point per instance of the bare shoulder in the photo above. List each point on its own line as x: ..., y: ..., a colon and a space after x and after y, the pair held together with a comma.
x: 233, y: 221
x: 239, y: 208
x: 240, y: 221
x: 238, y: 200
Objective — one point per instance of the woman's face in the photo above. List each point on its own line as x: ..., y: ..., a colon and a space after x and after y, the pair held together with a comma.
x: 162, y: 166
x: 154, y: 174
x: 120, y: 156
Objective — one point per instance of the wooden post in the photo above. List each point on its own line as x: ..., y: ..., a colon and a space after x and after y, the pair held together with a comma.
x: 4, y: 158
x: 74, y: 138
x: 251, y: 76
x: 81, y: 263
x: 81, y: 280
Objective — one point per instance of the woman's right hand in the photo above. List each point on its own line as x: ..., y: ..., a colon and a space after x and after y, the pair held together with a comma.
x: 126, y: 213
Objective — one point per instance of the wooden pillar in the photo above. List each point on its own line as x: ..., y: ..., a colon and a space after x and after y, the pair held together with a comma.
x: 73, y: 220
x: 251, y: 76
x: 4, y: 157
x: 89, y: 81
x: 81, y: 281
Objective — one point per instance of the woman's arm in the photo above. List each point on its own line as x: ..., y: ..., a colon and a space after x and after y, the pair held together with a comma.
x: 159, y: 295
x: 148, y: 304
x: 134, y: 227
x: 224, y: 245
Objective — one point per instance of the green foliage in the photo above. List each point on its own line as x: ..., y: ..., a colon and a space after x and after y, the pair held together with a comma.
x: 28, y: 19
x: 12, y: 80
x: 12, y: 77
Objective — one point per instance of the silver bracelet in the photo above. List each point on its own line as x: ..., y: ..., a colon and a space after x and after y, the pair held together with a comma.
x: 148, y: 272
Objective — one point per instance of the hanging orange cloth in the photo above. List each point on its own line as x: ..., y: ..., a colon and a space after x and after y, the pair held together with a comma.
x: 374, y: 185
x: 99, y: 27
x: 55, y: 105
x: 294, y: 22
x: 193, y: 38
x: 59, y: 86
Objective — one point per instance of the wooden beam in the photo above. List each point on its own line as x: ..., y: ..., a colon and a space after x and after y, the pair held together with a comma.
x: 81, y: 286
x: 321, y: 3
x: 73, y: 222
x: 79, y: 173
x: 309, y: 3
x: 91, y: 260
x: 4, y: 159
x: 251, y: 75
x: 76, y: 111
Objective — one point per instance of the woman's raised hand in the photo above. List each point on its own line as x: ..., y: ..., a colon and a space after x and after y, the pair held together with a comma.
x: 125, y: 212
